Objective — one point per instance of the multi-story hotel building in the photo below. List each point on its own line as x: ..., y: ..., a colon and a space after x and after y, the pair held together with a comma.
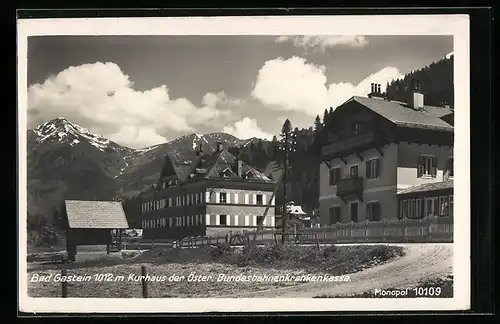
x: 214, y: 193
x: 372, y: 148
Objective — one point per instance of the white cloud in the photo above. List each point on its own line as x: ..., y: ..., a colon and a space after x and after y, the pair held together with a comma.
x: 101, y: 96
x: 322, y: 42
x: 247, y: 128
x: 295, y: 85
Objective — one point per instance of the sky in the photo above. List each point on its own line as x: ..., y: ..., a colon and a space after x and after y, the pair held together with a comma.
x: 140, y: 91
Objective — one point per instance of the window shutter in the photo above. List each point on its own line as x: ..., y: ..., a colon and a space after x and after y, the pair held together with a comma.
x: 434, y: 166
x: 378, y: 213
x: 368, y: 214
x: 337, y: 175
x: 420, y: 166
x: 368, y: 171
x: 332, y: 174
x: 228, y: 199
x: 377, y: 168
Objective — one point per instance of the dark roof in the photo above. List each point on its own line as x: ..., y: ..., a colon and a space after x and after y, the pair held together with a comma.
x: 433, y: 186
x: 402, y: 115
x: 213, y: 166
x: 95, y: 214
x: 181, y: 163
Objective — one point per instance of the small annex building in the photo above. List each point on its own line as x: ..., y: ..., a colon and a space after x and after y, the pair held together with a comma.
x: 93, y: 223
x: 429, y: 199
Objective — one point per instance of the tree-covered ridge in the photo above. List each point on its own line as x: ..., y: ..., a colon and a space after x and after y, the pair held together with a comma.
x: 436, y: 83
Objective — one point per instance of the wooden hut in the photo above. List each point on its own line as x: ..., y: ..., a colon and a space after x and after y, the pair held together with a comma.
x: 93, y: 223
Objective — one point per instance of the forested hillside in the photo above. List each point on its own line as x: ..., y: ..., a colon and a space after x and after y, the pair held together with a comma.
x: 436, y: 83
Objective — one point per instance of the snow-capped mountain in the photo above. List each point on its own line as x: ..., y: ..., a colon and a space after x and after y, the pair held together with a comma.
x: 66, y: 160
x: 60, y: 130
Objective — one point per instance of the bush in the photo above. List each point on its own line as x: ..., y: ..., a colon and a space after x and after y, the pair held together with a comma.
x: 47, y: 235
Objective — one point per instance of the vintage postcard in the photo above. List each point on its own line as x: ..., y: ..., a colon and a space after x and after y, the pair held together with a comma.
x: 262, y: 164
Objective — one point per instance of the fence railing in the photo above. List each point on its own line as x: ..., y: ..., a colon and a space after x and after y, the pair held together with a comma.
x: 428, y: 229
x: 431, y: 228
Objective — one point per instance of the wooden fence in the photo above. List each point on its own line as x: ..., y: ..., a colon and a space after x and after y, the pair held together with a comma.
x: 436, y: 229
x: 428, y: 229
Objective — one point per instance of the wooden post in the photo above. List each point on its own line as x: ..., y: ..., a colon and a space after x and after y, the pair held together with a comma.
x: 64, y: 284
x: 317, y: 242
x: 227, y: 239
x: 144, y: 282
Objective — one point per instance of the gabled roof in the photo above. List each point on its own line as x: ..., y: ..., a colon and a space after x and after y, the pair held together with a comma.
x: 212, y: 167
x: 433, y: 186
x: 397, y: 113
x: 95, y: 214
x: 402, y: 115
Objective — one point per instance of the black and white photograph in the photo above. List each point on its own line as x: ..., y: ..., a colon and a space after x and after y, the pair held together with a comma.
x: 300, y: 163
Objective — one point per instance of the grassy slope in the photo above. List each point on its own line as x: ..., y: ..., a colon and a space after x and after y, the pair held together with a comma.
x: 270, y: 261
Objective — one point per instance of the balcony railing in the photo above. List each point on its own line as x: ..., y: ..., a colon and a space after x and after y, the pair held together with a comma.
x: 350, y: 186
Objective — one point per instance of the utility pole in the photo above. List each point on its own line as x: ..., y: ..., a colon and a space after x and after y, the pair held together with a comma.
x: 286, y: 132
x: 284, y: 215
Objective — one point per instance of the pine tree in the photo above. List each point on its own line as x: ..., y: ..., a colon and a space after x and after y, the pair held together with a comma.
x: 325, y: 117
x: 317, y: 124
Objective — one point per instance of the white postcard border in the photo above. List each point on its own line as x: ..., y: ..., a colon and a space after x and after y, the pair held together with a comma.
x: 456, y: 25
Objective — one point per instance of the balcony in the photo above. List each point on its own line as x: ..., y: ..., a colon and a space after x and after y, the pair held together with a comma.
x: 350, y: 187
x: 348, y: 145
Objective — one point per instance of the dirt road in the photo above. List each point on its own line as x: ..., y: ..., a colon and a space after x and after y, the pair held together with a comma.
x: 422, y: 261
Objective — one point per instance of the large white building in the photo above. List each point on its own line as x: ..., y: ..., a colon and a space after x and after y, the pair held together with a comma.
x: 373, y: 148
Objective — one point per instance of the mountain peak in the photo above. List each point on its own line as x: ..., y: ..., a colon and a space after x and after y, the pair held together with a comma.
x: 62, y: 130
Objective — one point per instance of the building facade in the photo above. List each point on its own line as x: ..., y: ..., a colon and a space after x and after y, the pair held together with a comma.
x: 215, y: 193
x: 373, y: 148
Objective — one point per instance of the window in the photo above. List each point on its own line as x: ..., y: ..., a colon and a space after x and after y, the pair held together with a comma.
x: 373, y: 211
x: 353, y: 171
x: 443, y: 206
x: 372, y: 168
x: 259, y: 219
x: 223, y: 198
x: 429, y: 207
x: 416, y: 209
x: 435, y: 206
x: 222, y: 219
x: 334, y: 176
x: 355, y: 128
x: 354, y: 212
x: 427, y: 166
x: 404, y: 208
x: 451, y: 205
x: 334, y: 214
x: 450, y: 167
x: 259, y: 200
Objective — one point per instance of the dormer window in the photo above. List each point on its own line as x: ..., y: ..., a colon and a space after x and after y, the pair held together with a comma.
x: 249, y: 175
x: 226, y: 173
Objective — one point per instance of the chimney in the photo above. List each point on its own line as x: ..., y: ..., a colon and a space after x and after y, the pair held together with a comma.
x: 415, y: 97
x: 199, y: 151
x: 239, y: 167
x: 375, y: 91
x: 220, y: 146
